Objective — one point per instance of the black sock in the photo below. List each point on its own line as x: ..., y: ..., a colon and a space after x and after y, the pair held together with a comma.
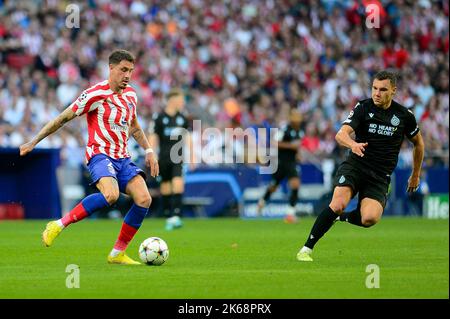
x: 322, y: 224
x: 353, y: 217
x: 267, y: 194
x: 177, y: 204
x: 293, y: 198
x: 166, y: 205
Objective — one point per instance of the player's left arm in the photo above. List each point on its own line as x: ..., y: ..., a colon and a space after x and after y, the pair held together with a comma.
x: 139, y: 135
x: 418, y: 153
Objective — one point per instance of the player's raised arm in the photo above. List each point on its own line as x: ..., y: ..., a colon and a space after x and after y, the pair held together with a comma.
x: 150, y: 158
x: 51, y: 127
x: 343, y: 137
x: 418, y: 153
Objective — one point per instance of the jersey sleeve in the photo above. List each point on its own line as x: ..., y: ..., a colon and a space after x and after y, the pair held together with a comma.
x: 411, y: 126
x: 282, y: 134
x: 355, y: 117
x: 135, y: 100
x: 86, y: 102
x: 186, y: 123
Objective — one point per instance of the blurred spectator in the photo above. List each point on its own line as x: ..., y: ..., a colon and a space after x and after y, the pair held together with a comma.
x: 266, y: 56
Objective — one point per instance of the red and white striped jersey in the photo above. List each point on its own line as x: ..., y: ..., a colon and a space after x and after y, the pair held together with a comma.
x: 109, y: 115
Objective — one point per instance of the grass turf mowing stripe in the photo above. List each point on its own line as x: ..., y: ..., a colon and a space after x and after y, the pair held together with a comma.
x: 230, y: 258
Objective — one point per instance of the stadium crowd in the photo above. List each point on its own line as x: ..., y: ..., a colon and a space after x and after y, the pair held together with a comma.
x: 241, y: 63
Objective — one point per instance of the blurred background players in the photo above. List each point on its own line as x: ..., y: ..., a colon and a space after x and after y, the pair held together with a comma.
x: 289, y: 140
x: 171, y: 122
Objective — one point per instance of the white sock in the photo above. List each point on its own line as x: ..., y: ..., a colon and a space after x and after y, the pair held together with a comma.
x: 60, y: 223
x: 115, y: 252
x: 306, y: 250
x: 290, y: 211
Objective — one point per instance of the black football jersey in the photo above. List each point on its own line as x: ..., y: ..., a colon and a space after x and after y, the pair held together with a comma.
x: 289, y: 134
x: 164, y: 126
x: 383, y: 130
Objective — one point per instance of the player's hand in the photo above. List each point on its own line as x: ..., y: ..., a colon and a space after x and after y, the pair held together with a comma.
x: 152, y: 162
x: 359, y: 148
x: 413, y: 184
x: 26, y: 148
x: 192, y: 166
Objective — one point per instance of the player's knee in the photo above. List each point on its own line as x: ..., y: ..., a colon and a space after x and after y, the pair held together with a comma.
x: 294, y: 183
x: 144, y: 200
x: 111, y: 196
x: 369, y: 221
x: 338, y: 206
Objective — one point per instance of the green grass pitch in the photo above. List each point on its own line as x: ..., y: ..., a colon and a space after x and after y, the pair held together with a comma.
x: 230, y: 258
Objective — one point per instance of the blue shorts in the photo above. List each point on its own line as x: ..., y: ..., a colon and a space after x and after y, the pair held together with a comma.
x: 123, y: 170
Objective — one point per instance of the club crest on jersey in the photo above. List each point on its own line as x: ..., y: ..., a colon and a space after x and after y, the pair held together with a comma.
x: 370, y: 115
x: 82, y: 97
x: 130, y: 105
x: 395, y: 121
x: 179, y: 121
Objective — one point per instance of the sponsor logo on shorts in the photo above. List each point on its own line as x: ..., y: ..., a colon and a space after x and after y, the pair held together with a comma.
x: 111, y: 168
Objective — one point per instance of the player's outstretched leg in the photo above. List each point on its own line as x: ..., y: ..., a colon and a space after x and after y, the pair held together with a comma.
x: 322, y: 224
x: 262, y: 201
x: 353, y: 217
x: 177, y: 203
x: 132, y: 222
x: 177, y: 188
x: 290, y: 217
x: 85, y: 208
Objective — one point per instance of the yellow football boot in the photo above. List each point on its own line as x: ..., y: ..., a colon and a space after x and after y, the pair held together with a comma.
x: 122, y: 259
x: 304, y: 256
x: 51, y: 231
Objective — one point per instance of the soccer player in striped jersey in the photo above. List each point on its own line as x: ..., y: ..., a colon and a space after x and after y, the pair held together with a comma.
x: 110, y: 108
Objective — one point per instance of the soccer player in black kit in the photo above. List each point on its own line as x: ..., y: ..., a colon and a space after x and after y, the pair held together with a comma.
x: 171, y: 122
x: 288, y: 150
x: 379, y: 125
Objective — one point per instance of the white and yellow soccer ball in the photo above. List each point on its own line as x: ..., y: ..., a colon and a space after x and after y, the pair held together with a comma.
x: 154, y: 251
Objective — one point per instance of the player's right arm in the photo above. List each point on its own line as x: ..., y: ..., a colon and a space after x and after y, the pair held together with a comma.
x: 153, y: 131
x: 51, y: 127
x: 344, y: 138
x: 283, y: 144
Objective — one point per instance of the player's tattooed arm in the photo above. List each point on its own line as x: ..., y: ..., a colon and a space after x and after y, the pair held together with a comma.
x: 418, y: 154
x: 51, y: 127
x: 139, y: 135
x: 344, y: 138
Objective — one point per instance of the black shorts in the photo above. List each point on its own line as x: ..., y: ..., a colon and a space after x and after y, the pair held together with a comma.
x: 286, y: 170
x: 169, y: 170
x: 364, y: 182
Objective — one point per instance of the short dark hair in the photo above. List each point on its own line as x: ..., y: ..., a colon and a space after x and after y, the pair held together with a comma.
x: 174, y: 92
x: 387, y: 75
x: 119, y: 55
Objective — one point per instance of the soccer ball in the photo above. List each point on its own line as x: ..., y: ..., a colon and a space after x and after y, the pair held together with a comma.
x: 154, y: 251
